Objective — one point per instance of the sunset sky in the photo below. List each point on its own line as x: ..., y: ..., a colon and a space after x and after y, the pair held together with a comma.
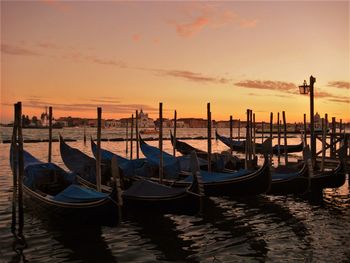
x: 123, y: 56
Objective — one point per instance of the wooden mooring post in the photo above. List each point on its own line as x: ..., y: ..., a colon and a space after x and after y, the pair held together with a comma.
x: 98, y: 153
x: 278, y: 138
x: 285, y: 138
x: 20, y: 170
x: 254, y: 136
x: 137, y: 134
x: 126, y: 139
x: 84, y: 133
x: 271, y: 137
x: 131, y: 135
x: 239, y: 129
x: 305, y: 131
x: 231, y: 132
x: 14, y: 161
x: 50, y: 134
x: 161, y: 142
x: 209, y: 136
x: 262, y: 131
x: 174, y: 136
x: 333, y: 145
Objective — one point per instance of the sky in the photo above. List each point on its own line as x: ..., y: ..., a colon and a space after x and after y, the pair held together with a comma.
x: 122, y: 56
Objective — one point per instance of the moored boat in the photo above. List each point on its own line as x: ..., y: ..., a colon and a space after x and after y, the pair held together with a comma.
x: 239, y: 146
x: 147, y: 196
x: 241, y: 182
x: 54, y: 193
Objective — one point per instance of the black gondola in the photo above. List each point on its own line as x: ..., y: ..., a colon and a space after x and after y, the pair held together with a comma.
x: 53, y: 192
x: 144, y: 195
x: 239, y: 146
x: 242, y: 182
x: 290, y: 181
x: 332, y: 178
x: 220, y: 162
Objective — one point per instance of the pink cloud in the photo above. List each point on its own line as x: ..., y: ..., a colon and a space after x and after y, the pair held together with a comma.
x: 339, y: 84
x: 48, y: 45
x: 58, y: 5
x: 268, y: 85
x: 108, y: 107
x: 136, y: 38
x: 189, y: 29
x: 17, y: 50
x: 200, y: 16
x: 197, y: 77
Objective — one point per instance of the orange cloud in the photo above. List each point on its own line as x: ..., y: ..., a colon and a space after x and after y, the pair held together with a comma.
x: 197, y: 77
x: 189, y: 29
x: 16, y: 50
x: 48, y: 45
x: 108, y: 107
x: 269, y: 85
x: 339, y: 84
x: 58, y: 5
x: 206, y: 15
x: 136, y: 38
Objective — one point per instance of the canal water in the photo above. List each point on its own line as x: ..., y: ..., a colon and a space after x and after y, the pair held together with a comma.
x: 251, y: 229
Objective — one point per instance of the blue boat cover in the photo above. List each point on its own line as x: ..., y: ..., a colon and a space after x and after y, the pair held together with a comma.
x: 211, y: 177
x: 145, y: 188
x: 78, y: 194
x: 171, y: 166
x: 27, y: 158
x: 283, y: 176
x: 37, y: 172
x: 229, y: 142
x: 185, y: 162
x: 129, y: 167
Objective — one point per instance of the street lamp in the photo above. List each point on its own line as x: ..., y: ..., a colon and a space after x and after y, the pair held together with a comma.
x: 306, y: 89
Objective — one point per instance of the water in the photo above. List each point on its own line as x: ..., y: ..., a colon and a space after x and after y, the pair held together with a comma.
x: 250, y: 229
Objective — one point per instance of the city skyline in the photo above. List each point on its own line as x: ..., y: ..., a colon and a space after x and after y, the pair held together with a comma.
x: 123, y: 56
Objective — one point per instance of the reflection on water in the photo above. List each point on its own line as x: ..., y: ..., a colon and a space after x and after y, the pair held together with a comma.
x: 250, y: 229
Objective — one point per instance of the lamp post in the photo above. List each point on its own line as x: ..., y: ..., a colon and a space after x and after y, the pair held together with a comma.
x: 306, y: 89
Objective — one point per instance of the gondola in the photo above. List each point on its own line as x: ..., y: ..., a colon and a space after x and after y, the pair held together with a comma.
x: 128, y: 167
x: 239, y: 146
x: 290, y: 180
x: 54, y: 193
x: 333, y: 178
x: 219, y: 163
x: 242, y: 182
x: 147, y: 196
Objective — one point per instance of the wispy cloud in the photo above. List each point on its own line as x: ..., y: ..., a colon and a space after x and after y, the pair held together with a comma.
x: 48, y: 45
x: 106, y: 100
x: 18, y: 50
x: 107, y: 107
x: 192, y: 76
x: 136, y: 38
x: 77, y: 56
x: 60, y: 6
x: 331, y: 97
x: 341, y: 100
x: 339, y: 84
x: 193, y: 27
x: 200, y: 16
x: 268, y: 85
